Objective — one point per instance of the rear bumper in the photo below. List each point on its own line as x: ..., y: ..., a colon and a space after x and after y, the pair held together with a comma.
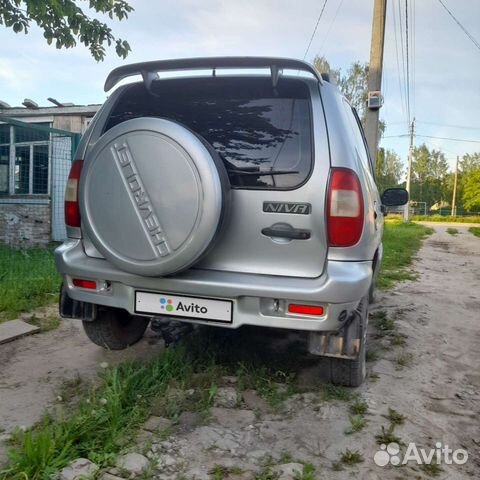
x: 259, y: 300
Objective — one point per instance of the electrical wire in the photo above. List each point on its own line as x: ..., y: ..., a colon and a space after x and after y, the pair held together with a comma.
x: 315, y: 29
x: 467, y: 33
x: 463, y: 127
x: 402, y: 96
x: 330, y: 27
x: 449, y: 138
x: 408, y: 60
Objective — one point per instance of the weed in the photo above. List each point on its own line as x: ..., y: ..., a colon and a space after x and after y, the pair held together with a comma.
x: 373, y: 377
x: 371, y: 355
x: 308, y: 473
x: 334, y: 392
x: 405, y: 359
x: 398, y: 340
x: 401, y: 243
x: 266, y: 473
x: 384, y: 325
x: 286, y: 457
x: 45, y: 323
x: 432, y: 469
x: 388, y: 436
x: 349, y: 457
x: 359, y: 407
x: 452, y: 231
x: 475, y: 231
x: 395, y: 417
x: 357, y: 423
x: 219, y: 472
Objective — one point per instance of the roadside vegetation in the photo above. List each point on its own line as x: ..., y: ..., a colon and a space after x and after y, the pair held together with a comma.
x: 28, y: 280
x: 104, y: 417
x: 475, y: 231
x: 447, y: 218
x: 401, y: 243
x: 452, y: 231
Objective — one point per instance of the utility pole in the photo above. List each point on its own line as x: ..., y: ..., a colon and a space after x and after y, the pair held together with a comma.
x: 374, y: 79
x: 454, y: 198
x: 406, y: 212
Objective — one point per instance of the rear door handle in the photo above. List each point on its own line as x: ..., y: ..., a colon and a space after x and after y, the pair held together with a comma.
x: 284, y: 232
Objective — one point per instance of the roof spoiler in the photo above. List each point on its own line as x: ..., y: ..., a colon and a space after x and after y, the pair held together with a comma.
x: 149, y: 70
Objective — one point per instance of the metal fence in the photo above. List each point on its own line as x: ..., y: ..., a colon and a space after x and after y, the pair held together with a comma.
x: 35, y: 161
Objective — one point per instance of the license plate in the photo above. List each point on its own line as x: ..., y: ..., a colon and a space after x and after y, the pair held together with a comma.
x: 188, y: 307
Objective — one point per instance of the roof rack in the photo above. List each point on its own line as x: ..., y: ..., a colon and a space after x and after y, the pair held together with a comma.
x: 148, y: 70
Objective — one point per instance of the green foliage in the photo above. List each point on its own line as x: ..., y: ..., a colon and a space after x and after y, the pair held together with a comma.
x: 446, y: 218
x: 388, y: 169
x: 359, y: 407
x: 28, y: 279
x: 308, y: 473
x: 349, y: 457
x: 357, y: 423
x: 475, y: 231
x: 452, y: 231
x: 429, y: 175
x: 471, y: 191
x: 401, y: 241
x: 395, y: 417
x: 65, y: 23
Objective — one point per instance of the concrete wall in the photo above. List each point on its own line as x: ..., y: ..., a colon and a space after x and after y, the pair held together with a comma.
x: 25, y: 224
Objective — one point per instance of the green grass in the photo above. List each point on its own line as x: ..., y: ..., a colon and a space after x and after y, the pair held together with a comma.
x: 401, y: 243
x: 452, y: 231
x: 350, y: 458
x: 475, y: 231
x: 104, y: 417
x: 447, y: 218
x: 28, y: 280
x: 357, y: 423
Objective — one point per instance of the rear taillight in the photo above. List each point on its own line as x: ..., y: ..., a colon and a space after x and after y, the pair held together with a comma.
x: 72, y: 211
x: 344, y: 208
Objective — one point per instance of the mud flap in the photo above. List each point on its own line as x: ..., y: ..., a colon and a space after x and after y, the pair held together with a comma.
x: 69, y: 308
x: 344, y: 343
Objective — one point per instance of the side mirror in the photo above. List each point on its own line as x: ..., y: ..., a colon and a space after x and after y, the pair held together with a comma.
x: 394, y: 197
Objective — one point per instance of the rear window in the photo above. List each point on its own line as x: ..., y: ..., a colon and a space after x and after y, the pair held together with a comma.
x: 262, y: 134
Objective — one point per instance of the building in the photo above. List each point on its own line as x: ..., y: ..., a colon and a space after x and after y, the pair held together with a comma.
x: 36, y: 149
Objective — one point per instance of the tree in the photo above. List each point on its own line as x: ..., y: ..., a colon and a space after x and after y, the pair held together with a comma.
x: 353, y: 84
x: 64, y: 22
x: 471, y: 191
x: 388, y: 169
x: 429, y: 174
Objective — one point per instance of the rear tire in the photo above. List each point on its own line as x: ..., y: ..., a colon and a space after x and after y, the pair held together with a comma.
x: 352, y: 373
x: 115, y: 329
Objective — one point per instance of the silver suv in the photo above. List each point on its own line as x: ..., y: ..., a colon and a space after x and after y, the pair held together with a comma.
x: 225, y: 198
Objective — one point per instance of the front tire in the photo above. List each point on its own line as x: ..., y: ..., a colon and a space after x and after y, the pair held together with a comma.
x: 115, y: 329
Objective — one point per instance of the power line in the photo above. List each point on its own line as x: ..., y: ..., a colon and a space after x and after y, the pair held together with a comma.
x: 408, y: 59
x: 464, y: 127
x: 330, y: 27
x: 315, y: 29
x: 467, y: 33
x: 404, y: 135
x: 402, y: 96
x: 450, y: 139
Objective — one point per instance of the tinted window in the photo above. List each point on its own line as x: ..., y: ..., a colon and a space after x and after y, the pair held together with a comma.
x: 256, y: 129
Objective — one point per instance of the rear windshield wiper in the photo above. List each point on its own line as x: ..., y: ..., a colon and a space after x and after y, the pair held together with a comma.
x: 259, y: 172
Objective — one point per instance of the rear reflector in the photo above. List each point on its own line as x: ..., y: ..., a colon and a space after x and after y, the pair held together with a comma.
x: 72, y: 211
x: 344, y: 208
x: 305, y: 309
x: 81, y: 283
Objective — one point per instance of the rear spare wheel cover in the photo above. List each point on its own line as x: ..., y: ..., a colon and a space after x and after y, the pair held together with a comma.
x: 152, y: 196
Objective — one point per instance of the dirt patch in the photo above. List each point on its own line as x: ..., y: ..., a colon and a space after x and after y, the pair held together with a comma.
x: 426, y: 335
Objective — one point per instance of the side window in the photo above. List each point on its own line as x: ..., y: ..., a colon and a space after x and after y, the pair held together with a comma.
x: 360, y: 143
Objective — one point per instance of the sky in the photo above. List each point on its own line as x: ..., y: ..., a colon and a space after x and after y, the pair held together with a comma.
x: 444, y: 67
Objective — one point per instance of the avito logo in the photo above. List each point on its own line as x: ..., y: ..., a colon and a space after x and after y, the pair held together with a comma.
x: 168, y: 305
